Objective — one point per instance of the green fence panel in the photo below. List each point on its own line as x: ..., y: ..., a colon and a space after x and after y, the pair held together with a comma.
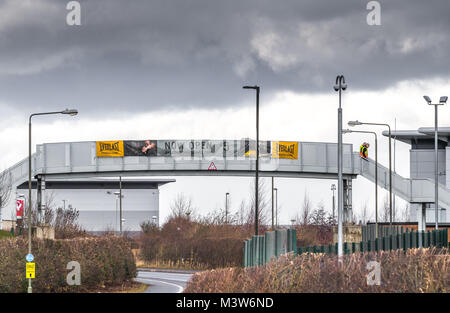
x: 446, y: 238
x: 244, y: 261
x: 255, y: 247
x: 404, y: 245
x: 281, y: 242
x: 269, y: 249
x: 291, y: 240
x: 261, y: 250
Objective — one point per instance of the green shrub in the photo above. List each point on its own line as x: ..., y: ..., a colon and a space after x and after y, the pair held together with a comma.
x: 104, y: 261
x: 417, y: 270
x: 5, y: 234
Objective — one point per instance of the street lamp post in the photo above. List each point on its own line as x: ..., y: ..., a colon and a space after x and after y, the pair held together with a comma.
x: 442, y: 101
x: 340, y: 85
x: 276, y: 205
x: 120, y: 203
x: 71, y: 112
x: 354, y: 123
x: 333, y: 188
x: 272, y: 204
x: 226, y: 207
x: 345, y: 131
x: 256, y: 88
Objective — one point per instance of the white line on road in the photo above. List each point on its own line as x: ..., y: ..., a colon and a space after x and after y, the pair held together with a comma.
x: 180, y: 288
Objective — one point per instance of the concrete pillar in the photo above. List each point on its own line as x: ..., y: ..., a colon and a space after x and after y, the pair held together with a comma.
x: 347, y: 200
x: 422, y: 219
x: 41, y: 197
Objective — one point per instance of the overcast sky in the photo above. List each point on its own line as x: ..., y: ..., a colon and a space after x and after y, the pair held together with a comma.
x: 175, y: 69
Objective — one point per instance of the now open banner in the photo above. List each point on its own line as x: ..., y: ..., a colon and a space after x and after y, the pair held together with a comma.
x: 203, y: 149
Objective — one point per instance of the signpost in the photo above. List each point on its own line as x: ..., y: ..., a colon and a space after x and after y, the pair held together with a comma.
x: 19, y: 208
x: 31, y: 270
x: 29, y: 257
x: 30, y: 267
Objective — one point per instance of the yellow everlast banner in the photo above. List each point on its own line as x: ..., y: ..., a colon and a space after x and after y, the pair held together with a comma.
x: 110, y: 148
x: 285, y: 150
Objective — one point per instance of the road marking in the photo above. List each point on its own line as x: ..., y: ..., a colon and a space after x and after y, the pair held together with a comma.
x: 180, y: 288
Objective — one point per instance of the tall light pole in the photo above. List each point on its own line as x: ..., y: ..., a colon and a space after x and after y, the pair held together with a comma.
x: 345, y: 131
x: 354, y: 123
x: 442, y: 101
x: 120, y: 203
x: 276, y: 205
x: 333, y: 189
x: 117, y: 194
x: 340, y: 85
x: 272, y: 204
x: 71, y: 112
x: 256, y: 88
x: 226, y: 207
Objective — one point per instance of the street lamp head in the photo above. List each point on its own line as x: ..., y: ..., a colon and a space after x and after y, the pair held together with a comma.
x: 227, y: 194
x: 354, y: 123
x: 427, y: 99
x: 346, y: 131
x: 443, y: 99
x: 71, y: 112
x: 251, y: 87
x: 340, y: 83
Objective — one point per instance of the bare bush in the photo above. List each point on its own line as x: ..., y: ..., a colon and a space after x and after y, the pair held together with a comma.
x: 417, y: 270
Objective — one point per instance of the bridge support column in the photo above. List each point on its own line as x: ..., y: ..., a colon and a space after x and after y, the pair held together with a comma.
x: 421, y: 222
x: 348, y: 213
x: 41, y: 198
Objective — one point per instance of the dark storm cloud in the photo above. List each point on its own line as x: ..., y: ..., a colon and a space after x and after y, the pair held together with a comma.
x: 144, y: 55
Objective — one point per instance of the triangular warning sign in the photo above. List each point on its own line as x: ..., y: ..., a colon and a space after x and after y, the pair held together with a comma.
x: 212, y: 167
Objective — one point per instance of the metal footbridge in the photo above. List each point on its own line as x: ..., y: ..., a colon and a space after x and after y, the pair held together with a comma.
x: 69, y: 160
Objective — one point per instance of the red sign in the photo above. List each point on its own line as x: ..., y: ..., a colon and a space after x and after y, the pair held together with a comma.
x: 212, y: 167
x: 19, y: 208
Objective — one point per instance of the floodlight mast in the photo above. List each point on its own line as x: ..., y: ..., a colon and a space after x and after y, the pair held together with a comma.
x: 339, y: 86
x: 442, y: 101
x: 256, y: 88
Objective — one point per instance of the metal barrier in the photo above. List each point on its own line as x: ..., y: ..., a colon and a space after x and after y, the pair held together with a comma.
x: 260, y: 250
x: 400, y: 241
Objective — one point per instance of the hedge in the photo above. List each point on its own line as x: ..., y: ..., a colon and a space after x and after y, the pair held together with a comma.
x: 104, y: 261
x: 416, y: 270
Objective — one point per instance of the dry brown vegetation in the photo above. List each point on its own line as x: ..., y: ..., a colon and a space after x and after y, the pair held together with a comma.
x: 190, y: 241
x: 417, y: 270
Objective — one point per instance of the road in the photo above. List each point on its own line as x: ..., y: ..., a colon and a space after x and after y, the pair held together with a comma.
x: 161, y: 281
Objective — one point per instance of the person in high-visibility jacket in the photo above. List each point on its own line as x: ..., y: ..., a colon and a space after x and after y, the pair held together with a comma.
x: 363, y: 150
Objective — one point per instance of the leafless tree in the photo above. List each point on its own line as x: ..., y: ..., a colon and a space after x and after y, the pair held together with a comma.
x: 5, y: 189
x: 318, y: 216
x: 263, y: 204
x: 385, y: 214
x: 182, y: 207
x: 364, y: 215
x: 306, y: 209
x: 406, y: 213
